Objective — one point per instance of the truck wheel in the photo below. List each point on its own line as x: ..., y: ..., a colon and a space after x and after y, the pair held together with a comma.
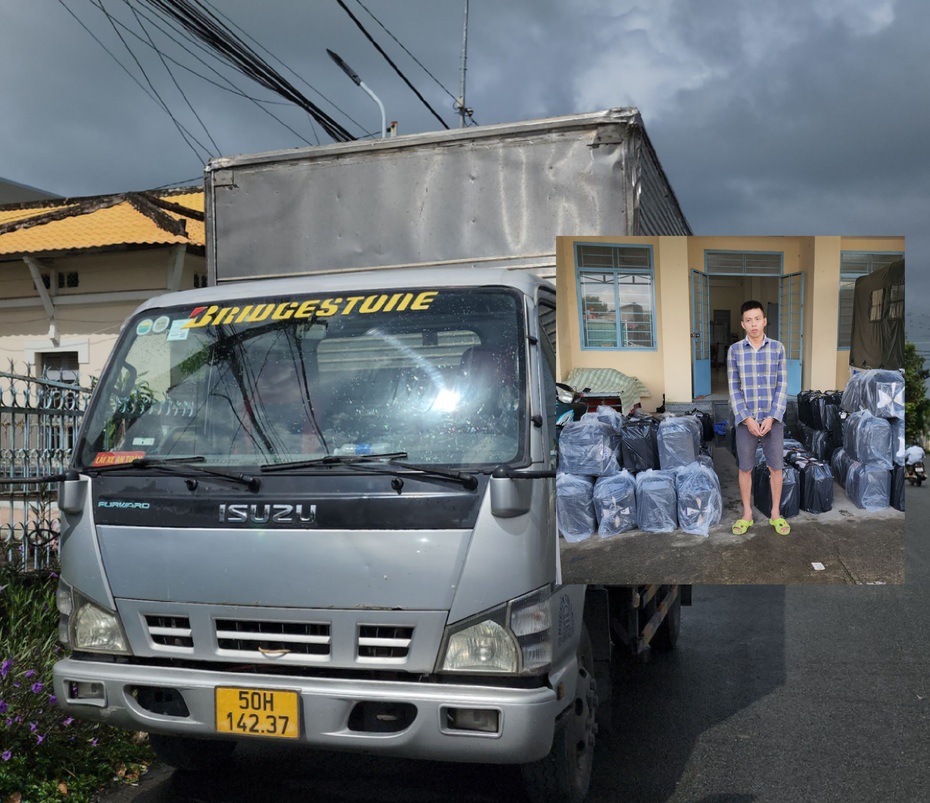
x: 565, y: 774
x: 666, y: 637
x: 185, y: 753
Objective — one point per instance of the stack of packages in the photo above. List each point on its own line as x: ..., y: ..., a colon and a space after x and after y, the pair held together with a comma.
x: 821, y: 420
x: 617, y: 474
x: 870, y: 466
x: 807, y: 482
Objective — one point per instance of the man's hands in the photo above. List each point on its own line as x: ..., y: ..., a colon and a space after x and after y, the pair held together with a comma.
x: 757, y: 429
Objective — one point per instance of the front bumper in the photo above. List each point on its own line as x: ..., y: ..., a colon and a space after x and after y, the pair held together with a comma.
x: 526, y: 717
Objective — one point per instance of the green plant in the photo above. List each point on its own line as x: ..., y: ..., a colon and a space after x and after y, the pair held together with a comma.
x: 45, y: 755
x: 916, y: 403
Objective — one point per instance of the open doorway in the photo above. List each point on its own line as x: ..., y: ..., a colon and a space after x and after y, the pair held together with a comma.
x: 725, y: 296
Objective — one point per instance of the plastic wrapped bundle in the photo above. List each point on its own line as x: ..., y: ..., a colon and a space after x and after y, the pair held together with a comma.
x: 679, y: 441
x: 639, y: 445
x: 816, y: 487
x: 585, y: 448
x: 897, y: 440
x: 656, y: 502
x: 822, y: 444
x: 614, y: 433
x: 829, y: 415
x: 883, y: 393
x: 791, y: 443
x: 839, y: 426
x: 854, y: 394
x: 807, y: 436
x: 706, y: 460
x: 897, y: 488
x: 706, y: 420
x: 804, y: 406
x: 615, y: 503
x: 699, y: 499
x: 840, y: 462
x: 608, y: 415
x: 868, y: 439
x: 574, y: 507
x: 790, y: 503
x: 868, y: 486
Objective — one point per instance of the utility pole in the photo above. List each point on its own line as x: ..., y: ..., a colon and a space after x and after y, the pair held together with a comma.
x: 463, y: 109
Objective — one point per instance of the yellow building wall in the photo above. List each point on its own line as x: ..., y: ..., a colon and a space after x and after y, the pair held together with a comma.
x: 667, y: 370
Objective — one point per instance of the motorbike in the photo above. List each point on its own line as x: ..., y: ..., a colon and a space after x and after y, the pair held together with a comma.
x: 914, y: 473
x: 570, y: 404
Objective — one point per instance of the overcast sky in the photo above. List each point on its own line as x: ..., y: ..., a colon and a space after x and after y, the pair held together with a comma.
x: 777, y: 117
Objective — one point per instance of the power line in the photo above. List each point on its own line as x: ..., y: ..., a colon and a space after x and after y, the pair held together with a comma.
x: 199, y: 24
x: 232, y: 88
x: 216, y: 148
x: 387, y: 58
x: 420, y: 64
x: 186, y: 135
x: 122, y: 66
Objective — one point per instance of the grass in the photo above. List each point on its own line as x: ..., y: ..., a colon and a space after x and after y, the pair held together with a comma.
x: 45, y: 755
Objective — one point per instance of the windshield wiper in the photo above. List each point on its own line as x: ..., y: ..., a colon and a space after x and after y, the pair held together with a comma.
x: 392, y: 459
x: 332, y: 460
x: 183, y: 466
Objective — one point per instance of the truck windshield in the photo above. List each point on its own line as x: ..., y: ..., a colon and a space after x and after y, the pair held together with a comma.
x: 439, y: 375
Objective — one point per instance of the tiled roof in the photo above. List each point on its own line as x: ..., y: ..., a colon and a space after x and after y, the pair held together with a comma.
x: 166, y: 217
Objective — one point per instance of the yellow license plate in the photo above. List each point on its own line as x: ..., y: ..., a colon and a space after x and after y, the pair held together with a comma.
x: 257, y: 712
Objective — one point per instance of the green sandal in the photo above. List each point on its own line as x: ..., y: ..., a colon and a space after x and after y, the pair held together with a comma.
x: 741, y: 525
x: 781, y: 526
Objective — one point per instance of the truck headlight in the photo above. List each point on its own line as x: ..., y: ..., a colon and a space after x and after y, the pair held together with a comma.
x: 482, y: 647
x: 94, y: 629
x: 514, y: 638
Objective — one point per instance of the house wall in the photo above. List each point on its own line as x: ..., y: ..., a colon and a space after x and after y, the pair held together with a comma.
x: 87, y: 317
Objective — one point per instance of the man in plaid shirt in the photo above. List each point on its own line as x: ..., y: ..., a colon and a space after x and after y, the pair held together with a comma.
x: 757, y: 378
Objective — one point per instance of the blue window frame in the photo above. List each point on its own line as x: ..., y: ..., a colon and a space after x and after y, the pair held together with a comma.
x: 616, y: 296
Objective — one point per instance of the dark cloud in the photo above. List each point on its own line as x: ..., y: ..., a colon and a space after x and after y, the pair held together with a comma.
x: 783, y: 117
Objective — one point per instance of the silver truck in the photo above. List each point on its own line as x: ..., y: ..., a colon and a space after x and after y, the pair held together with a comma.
x: 314, y: 501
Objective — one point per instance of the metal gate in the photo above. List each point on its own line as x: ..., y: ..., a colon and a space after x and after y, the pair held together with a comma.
x: 39, y: 419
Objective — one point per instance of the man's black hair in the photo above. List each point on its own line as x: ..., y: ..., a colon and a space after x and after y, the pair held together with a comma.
x: 748, y: 305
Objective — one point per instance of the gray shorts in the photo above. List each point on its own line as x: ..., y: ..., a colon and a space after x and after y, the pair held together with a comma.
x: 772, y: 447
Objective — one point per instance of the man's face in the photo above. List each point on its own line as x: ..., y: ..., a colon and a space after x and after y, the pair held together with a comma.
x: 753, y: 323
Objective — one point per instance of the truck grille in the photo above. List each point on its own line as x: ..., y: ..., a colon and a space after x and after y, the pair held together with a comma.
x: 294, y: 638
x: 383, y: 641
x: 170, y: 631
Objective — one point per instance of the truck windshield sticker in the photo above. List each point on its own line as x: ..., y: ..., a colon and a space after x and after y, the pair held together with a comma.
x: 215, y: 315
x: 115, y: 458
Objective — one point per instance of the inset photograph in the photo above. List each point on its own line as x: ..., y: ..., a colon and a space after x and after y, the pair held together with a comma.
x: 731, y: 410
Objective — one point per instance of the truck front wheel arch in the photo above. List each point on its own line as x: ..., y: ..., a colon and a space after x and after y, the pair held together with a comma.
x: 564, y: 775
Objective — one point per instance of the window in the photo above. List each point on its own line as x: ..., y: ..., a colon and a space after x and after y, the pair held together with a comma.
x: 743, y: 263
x: 854, y: 264
x: 59, y: 366
x: 616, y: 296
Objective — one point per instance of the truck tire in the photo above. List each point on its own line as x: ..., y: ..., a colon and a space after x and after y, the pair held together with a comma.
x: 185, y: 753
x: 666, y: 637
x: 565, y: 774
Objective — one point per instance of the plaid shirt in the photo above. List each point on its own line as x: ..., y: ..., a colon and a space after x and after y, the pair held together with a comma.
x: 757, y: 380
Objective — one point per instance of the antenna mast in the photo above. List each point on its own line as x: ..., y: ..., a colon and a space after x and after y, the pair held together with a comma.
x: 461, y: 104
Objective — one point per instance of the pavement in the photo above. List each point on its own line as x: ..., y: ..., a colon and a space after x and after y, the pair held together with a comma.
x: 846, y: 545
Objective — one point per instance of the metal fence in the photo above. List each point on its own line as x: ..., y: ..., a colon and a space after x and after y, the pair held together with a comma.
x: 39, y: 420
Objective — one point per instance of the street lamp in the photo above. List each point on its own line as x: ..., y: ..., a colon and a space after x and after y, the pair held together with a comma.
x: 359, y: 82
